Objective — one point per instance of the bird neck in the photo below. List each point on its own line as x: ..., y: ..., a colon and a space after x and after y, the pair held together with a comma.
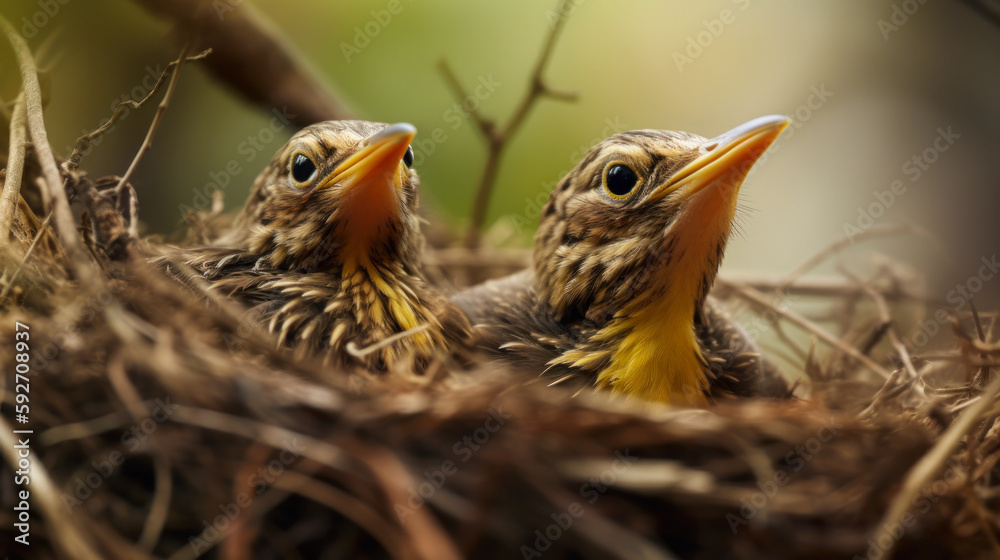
x: 656, y: 354
x: 387, y: 299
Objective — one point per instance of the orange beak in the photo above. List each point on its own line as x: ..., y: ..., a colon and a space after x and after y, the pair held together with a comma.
x: 370, y: 180
x: 728, y: 156
x: 377, y: 162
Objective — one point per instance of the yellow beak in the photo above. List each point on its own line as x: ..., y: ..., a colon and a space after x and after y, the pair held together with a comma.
x: 378, y: 161
x: 730, y: 156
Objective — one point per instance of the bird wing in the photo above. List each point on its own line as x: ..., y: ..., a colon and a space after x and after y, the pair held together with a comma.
x: 734, y: 357
x: 514, y: 326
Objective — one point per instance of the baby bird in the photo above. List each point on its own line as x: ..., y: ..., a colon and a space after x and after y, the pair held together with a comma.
x: 326, y: 251
x: 625, y: 255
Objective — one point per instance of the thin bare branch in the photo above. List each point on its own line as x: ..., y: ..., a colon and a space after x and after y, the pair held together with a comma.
x: 931, y: 464
x: 252, y: 57
x: 847, y: 242
x: 53, y: 183
x: 45, y: 494
x: 498, y: 139
x: 758, y: 298
x: 15, y: 169
x: 84, y: 141
x: 360, y: 353
x: 161, y: 109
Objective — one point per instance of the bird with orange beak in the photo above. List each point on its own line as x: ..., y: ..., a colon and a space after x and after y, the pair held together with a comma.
x: 626, y: 253
x: 326, y: 251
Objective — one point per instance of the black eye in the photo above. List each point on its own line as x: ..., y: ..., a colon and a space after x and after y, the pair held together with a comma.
x: 303, y: 168
x: 620, y: 180
x: 408, y: 157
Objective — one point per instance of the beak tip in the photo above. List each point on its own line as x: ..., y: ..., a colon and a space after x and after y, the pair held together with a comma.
x: 400, y: 128
x: 775, y: 122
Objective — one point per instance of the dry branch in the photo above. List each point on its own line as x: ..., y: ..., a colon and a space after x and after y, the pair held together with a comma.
x: 52, y: 180
x: 251, y: 57
x: 15, y: 168
x: 161, y: 109
x: 497, y: 139
x: 83, y: 142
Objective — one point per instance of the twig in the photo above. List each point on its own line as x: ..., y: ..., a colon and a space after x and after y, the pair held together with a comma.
x: 886, y: 317
x: 931, y: 463
x: 756, y: 297
x: 890, y: 325
x: 38, y: 235
x: 351, y: 507
x: 45, y: 496
x: 84, y: 141
x: 845, y: 242
x: 53, y: 183
x: 984, y: 372
x: 15, y: 169
x: 147, y: 142
x: 359, y: 353
x: 252, y: 57
x: 153, y: 525
x: 498, y: 139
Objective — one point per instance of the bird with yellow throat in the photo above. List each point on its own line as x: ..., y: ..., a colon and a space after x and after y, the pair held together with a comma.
x: 326, y: 252
x: 626, y: 253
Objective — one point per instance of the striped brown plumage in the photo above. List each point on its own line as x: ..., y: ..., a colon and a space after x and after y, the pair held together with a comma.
x: 601, y: 262
x: 324, y: 265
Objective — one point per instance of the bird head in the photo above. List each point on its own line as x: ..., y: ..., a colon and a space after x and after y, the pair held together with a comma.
x: 337, y: 194
x: 645, y: 215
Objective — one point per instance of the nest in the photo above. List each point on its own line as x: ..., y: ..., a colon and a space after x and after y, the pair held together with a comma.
x: 164, y: 427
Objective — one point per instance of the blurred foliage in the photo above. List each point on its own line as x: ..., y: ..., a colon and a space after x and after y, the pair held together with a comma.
x: 891, y: 79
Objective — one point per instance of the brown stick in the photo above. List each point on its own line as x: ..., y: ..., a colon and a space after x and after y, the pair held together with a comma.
x: 931, y: 464
x: 15, y: 169
x: 252, y: 57
x: 45, y: 495
x: 845, y: 242
x: 161, y: 109
x: 84, y: 141
x: 754, y: 296
x: 53, y: 183
x: 498, y: 139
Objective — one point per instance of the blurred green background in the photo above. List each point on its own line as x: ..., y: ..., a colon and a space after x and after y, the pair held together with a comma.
x: 868, y: 84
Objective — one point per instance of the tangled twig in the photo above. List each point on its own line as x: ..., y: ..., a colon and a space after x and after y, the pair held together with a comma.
x: 497, y: 139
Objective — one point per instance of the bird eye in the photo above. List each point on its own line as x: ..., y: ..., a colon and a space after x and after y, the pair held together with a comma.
x: 408, y: 156
x: 619, y: 180
x: 303, y: 168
